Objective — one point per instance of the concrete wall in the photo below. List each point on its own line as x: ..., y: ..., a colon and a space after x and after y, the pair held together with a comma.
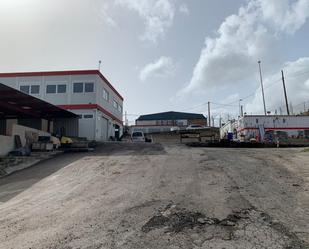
x: 274, y: 121
x: 21, y: 131
x: 6, y: 145
x: 108, y: 105
x: 150, y: 129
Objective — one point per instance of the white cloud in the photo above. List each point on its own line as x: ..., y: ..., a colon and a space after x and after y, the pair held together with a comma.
x: 243, y: 39
x: 297, y: 84
x: 183, y: 8
x: 163, y: 67
x: 158, y: 16
x: 105, y: 16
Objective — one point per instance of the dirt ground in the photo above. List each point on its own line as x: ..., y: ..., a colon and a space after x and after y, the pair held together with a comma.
x: 152, y: 196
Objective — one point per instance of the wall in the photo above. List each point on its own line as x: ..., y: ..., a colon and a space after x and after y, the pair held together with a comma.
x: 146, y: 122
x: 274, y: 122
x: 202, y: 122
x: 6, y: 145
x: 21, y: 131
x: 269, y: 128
x: 69, y: 125
x: 2, y: 127
x: 151, y: 129
x: 9, y: 126
x: 108, y: 105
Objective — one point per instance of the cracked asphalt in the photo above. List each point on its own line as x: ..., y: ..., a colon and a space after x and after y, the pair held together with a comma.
x: 152, y: 196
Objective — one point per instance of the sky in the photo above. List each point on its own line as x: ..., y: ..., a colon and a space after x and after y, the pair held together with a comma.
x: 168, y: 55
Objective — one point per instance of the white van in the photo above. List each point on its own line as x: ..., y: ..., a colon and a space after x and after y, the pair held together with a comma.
x: 138, y: 136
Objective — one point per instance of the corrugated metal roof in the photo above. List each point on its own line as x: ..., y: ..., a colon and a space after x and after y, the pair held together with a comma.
x: 171, y: 116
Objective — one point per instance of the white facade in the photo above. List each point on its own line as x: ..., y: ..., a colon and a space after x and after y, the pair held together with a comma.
x: 86, y: 93
x: 269, y: 128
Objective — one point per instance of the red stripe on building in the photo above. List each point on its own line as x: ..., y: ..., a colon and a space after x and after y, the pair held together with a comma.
x: 63, y: 73
x: 91, y: 106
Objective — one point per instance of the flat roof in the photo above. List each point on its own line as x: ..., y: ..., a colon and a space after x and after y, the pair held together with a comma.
x: 16, y: 104
x: 62, y: 73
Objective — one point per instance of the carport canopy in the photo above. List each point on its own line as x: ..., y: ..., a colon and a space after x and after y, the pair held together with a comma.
x: 15, y: 104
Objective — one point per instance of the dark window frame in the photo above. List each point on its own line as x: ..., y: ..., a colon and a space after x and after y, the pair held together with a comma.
x: 35, y: 87
x: 48, y: 89
x: 80, y: 84
x: 25, y: 86
x: 62, y: 85
x: 88, y: 116
x: 86, y: 85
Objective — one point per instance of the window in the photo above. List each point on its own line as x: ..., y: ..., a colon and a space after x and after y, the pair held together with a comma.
x: 88, y: 116
x: 115, y: 104
x: 78, y: 87
x: 89, y: 87
x: 105, y: 94
x: 51, y: 89
x: 61, y: 88
x: 119, y: 108
x: 35, y: 89
x: 24, y: 89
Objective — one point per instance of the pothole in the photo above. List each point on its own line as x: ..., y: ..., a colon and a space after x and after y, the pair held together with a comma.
x: 247, y: 227
x: 174, y: 219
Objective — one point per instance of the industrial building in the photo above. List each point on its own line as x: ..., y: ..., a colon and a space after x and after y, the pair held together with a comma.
x: 270, y: 128
x: 160, y: 122
x: 86, y: 93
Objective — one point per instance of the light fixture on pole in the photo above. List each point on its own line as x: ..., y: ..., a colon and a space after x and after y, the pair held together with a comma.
x: 100, y: 65
x: 259, y: 62
x: 240, y: 107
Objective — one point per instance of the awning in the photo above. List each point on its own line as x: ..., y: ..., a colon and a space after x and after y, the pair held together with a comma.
x: 15, y: 104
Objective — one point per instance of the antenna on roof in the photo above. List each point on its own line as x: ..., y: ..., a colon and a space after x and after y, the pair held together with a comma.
x: 100, y: 65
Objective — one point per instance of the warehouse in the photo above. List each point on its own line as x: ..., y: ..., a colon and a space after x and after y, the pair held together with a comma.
x: 22, y: 114
x: 87, y: 93
x: 160, y: 122
x: 271, y: 128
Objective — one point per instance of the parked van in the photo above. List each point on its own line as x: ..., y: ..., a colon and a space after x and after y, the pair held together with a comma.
x: 138, y: 136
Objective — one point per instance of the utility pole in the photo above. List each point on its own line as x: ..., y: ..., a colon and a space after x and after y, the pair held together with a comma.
x: 285, y: 95
x: 220, y: 122
x: 291, y: 108
x: 241, y: 110
x: 262, y: 87
x: 209, y: 122
x: 100, y: 65
x: 126, y: 119
x: 240, y: 107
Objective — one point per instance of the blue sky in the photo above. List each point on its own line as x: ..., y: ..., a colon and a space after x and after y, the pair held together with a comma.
x: 167, y: 54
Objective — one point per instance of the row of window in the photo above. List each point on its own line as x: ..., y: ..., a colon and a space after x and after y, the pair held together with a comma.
x: 117, y: 106
x: 78, y: 87
x: 81, y: 87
